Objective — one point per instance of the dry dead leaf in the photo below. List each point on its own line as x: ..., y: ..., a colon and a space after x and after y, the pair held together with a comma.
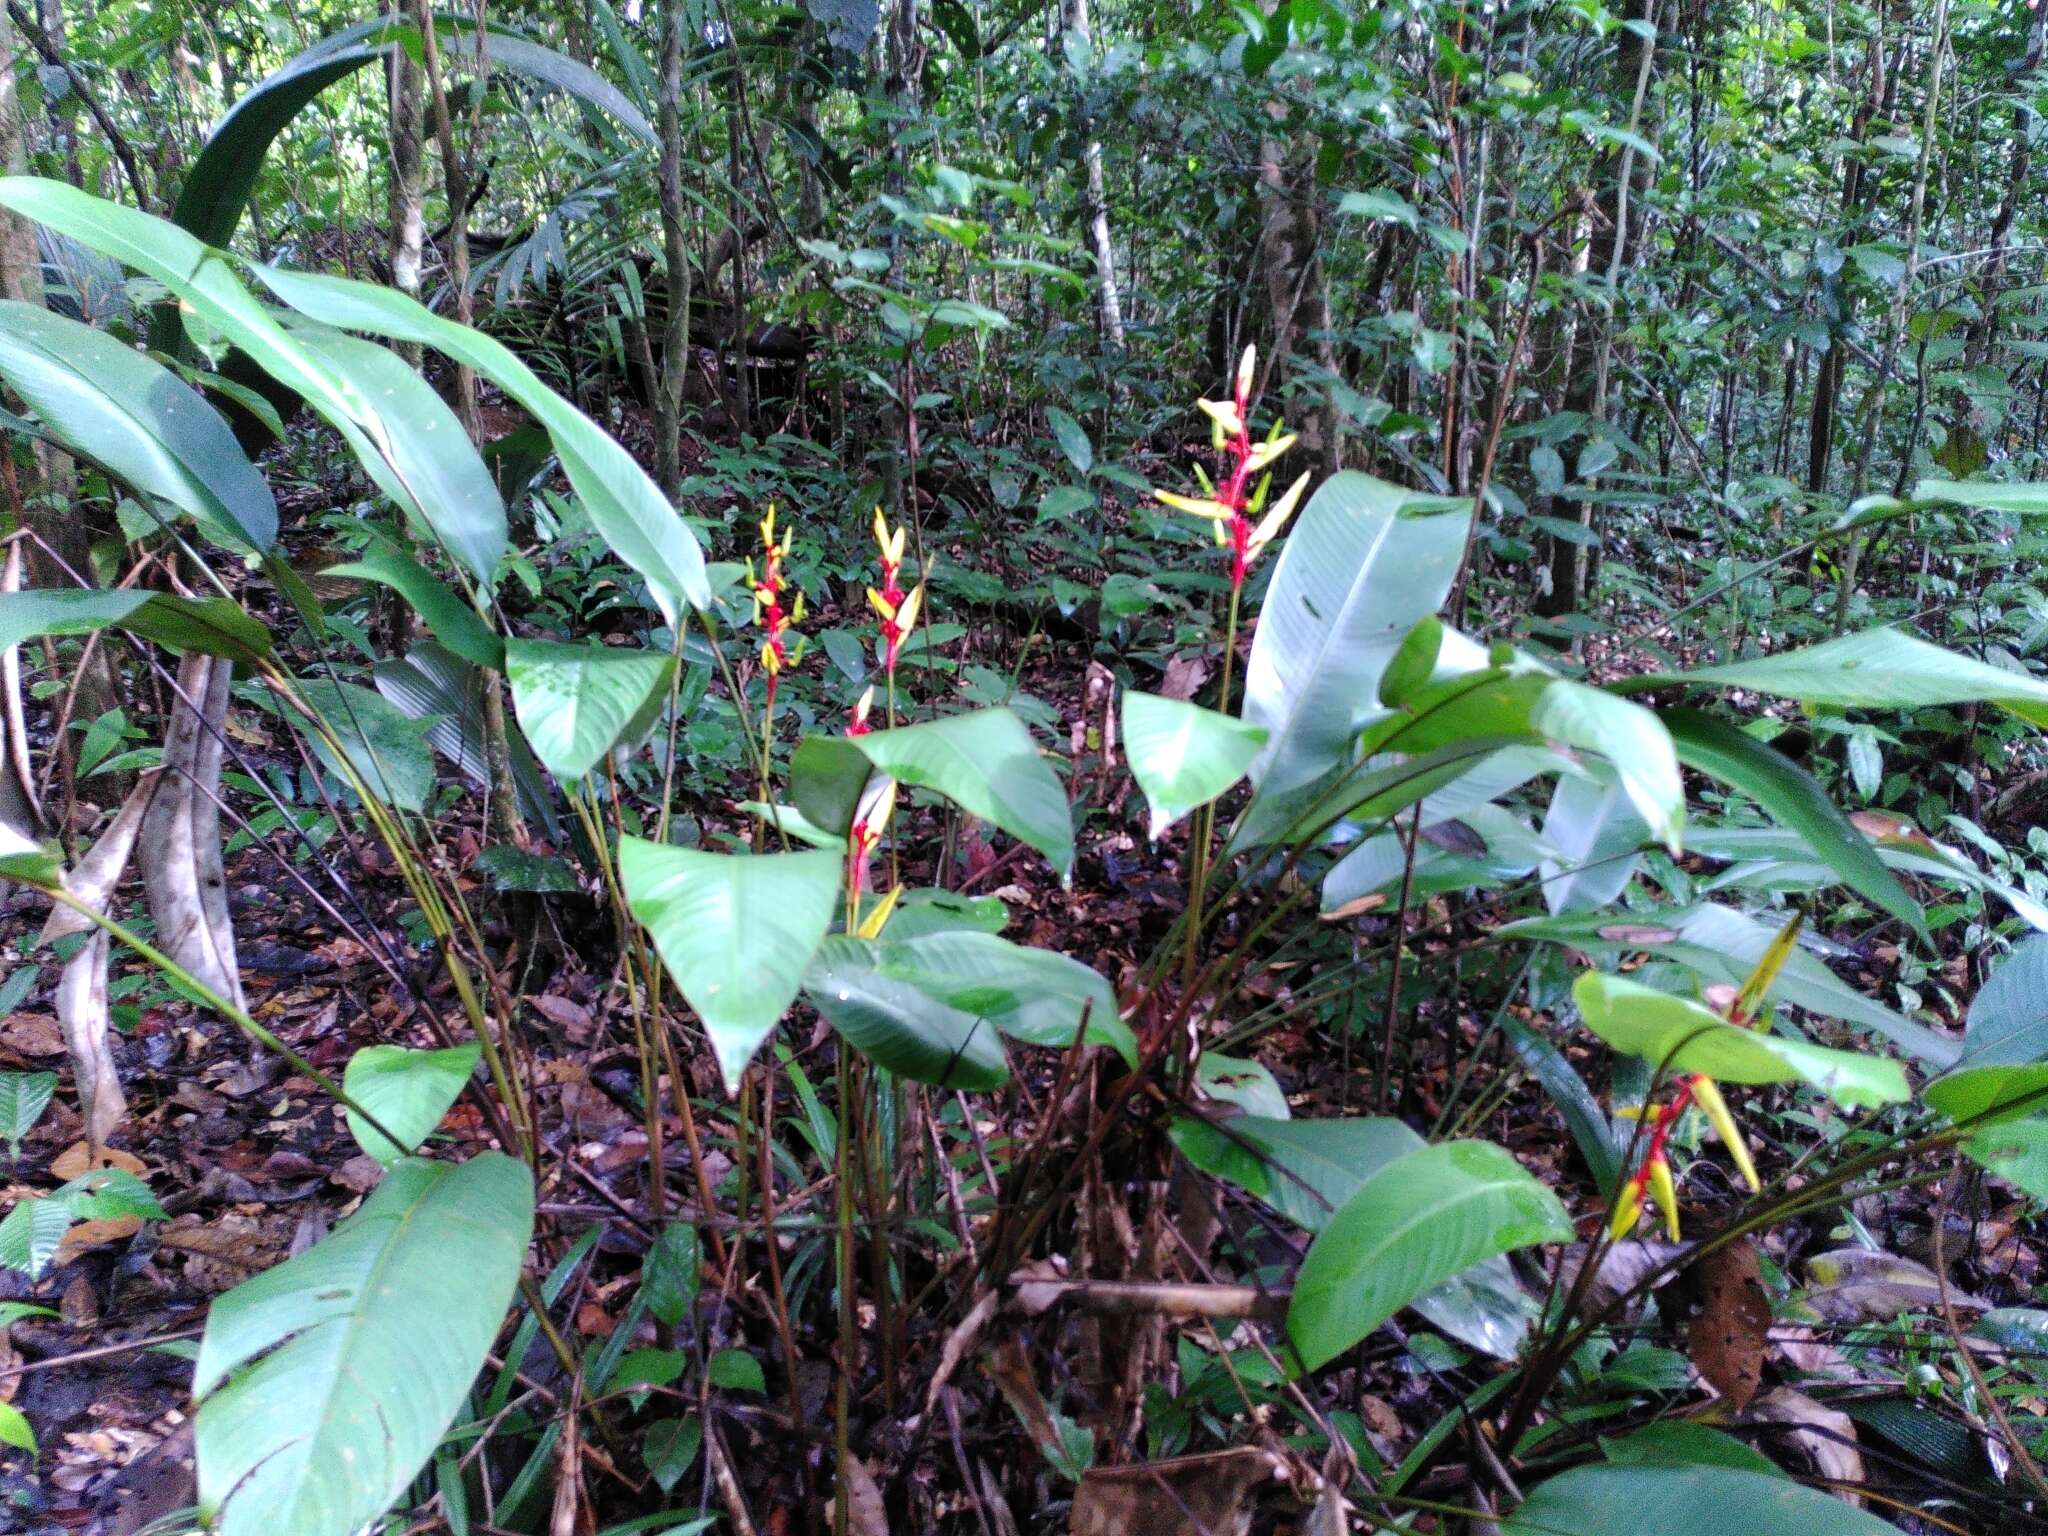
x: 88, y: 1235
x: 1728, y: 1338
x: 865, y: 1515
x: 1205, y: 1495
x: 31, y: 1034
x: 82, y: 1157
x: 1826, y: 1438
x: 1853, y: 1285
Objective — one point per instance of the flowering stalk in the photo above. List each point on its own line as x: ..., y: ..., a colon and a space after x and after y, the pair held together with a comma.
x: 777, y: 654
x: 1743, y: 1006
x: 896, y: 609
x: 1234, y: 511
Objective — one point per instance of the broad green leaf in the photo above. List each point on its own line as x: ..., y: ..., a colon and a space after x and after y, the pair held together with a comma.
x: 2007, y: 1024
x: 1677, y: 1033
x: 1631, y: 738
x: 1878, y: 669
x: 325, y: 1384
x: 1415, y: 1223
x: 109, y: 403
x: 622, y: 503
x: 1685, y: 1501
x: 985, y: 762
x: 1183, y: 755
x: 384, y: 746
x: 454, y: 622
x: 1719, y: 944
x: 2028, y: 498
x: 669, y: 1276
x: 1364, y: 562
x: 1072, y: 438
x: 375, y: 429
x: 2017, y: 1151
x: 30, y: 1233
x: 1680, y: 1442
x: 211, y: 626
x: 23, y: 1098
x: 1981, y: 1093
x: 1304, y: 1169
x: 736, y: 931
x: 898, y: 1022
x: 1034, y: 995
x: 1598, y: 836
x: 577, y: 702
x: 428, y: 464
x: 15, y: 1429
x: 1794, y: 798
x: 1592, y: 1131
x: 406, y: 1091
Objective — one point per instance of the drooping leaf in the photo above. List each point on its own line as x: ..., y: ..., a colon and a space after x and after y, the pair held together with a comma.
x: 140, y: 422
x: 737, y: 932
x: 217, y: 187
x: 2017, y: 1151
x: 433, y: 684
x: 211, y: 626
x: 383, y: 746
x: 577, y: 702
x: 428, y: 466
x: 623, y: 504
x: 1696, y: 1500
x: 454, y: 622
x: 1598, y: 836
x: 1415, y: 1223
x: 985, y: 762
x: 1662, y: 1029
x: 898, y: 1023
x: 1631, y: 738
x: 1182, y: 755
x: 325, y: 1384
x: 406, y: 1091
x: 1363, y: 563
x: 1794, y: 798
x: 1991, y: 1093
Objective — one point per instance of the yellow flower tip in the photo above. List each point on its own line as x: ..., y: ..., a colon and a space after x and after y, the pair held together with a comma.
x: 906, y: 614
x: 1666, y: 1195
x: 878, y: 915
x: 1193, y: 506
x: 1265, y: 453
x: 1707, y: 1094
x: 881, y: 529
x: 864, y: 703
x: 796, y: 612
x: 1225, y: 414
x: 881, y: 604
x: 769, y: 659
x: 768, y: 528
x: 1274, y: 521
x: 1247, y: 369
x: 1628, y: 1210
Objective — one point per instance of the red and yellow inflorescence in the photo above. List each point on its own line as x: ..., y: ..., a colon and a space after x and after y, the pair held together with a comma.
x: 1231, y: 506
x: 769, y: 587
x: 894, y: 608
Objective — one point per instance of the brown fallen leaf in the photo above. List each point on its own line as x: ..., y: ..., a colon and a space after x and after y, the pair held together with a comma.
x: 83, y: 1157
x: 31, y: 1034
x: 88, y: 1235
x: 865, y: 1515
x: 1204, y: 1495
x: 1728, y: 1338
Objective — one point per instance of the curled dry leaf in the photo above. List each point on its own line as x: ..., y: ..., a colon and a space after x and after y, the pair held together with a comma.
x: 1823, y: 1436
x: 1622, y: 1268
x: 182, y: 872
x: 1728, y: 1338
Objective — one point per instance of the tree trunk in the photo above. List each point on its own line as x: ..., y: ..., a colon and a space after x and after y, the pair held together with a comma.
x: 675, y: 349
x: 1109, y: 315
x: 408, y: 193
